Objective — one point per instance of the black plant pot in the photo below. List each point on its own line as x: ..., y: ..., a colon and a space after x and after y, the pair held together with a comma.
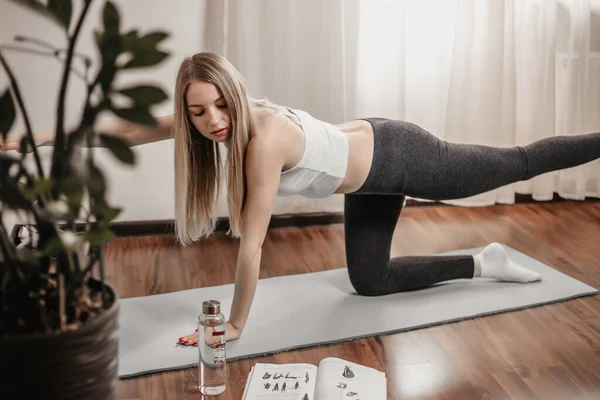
x: 79, y: 364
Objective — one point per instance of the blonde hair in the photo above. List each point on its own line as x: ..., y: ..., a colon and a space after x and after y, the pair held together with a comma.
x: 198, y: 166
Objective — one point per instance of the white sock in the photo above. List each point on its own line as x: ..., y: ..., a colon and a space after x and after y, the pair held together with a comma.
x: 494, y: 263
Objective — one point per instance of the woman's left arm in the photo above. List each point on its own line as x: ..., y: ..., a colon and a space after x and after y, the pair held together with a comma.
x: 263, y: 171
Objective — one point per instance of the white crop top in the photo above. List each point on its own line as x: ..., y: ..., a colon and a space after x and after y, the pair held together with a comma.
x: 323, y: 165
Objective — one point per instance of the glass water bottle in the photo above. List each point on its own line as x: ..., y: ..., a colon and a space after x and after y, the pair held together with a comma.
x: 212, y: 364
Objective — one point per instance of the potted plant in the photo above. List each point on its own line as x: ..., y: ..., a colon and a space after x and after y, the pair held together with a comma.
x: 58, y: 315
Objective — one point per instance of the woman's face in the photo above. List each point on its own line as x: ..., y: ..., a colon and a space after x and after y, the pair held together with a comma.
x: 207, y: 109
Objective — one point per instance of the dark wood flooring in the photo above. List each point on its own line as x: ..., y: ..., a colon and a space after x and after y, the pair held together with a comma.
x: 547, y: 352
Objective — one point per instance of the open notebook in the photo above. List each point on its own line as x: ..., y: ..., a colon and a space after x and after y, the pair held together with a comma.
x: 334, y: 378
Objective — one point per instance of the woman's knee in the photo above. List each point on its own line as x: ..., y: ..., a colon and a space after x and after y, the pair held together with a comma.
x: 371, y: 280
x: 366, y: 289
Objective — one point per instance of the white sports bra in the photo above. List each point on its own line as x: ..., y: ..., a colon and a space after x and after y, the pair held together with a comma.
x: 322, y: 167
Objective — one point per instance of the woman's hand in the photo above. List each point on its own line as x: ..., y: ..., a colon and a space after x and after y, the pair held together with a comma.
x: 231, y: 332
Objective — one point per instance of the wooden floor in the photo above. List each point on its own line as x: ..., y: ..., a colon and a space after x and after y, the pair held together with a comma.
x: 548, y: 352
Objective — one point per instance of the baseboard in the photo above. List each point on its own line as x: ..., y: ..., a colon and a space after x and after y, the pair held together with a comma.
x: 519, y: 199
x: 167, y: 227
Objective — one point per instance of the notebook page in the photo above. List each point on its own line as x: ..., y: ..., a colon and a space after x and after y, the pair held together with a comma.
x: 340, y: 379
x: 281, y: 381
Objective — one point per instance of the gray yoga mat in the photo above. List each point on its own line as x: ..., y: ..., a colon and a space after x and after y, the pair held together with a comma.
x: 303, y: 310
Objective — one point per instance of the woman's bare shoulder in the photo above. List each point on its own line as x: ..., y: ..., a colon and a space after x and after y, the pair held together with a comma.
x: 267, y: 126
x: 266, y: 143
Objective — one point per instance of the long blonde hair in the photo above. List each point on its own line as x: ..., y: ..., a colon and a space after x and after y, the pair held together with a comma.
x: 198, y: 166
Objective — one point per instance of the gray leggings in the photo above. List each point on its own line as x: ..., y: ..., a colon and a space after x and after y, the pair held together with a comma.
x: 409, y: 161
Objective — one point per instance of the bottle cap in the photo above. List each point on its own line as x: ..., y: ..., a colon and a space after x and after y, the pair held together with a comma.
x: 211, y: 307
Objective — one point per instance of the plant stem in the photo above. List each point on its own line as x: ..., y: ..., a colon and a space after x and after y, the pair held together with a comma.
x: 62, y: 302
x: 101, y: 264
x: 54, y: 50
x: 58, y: 162
x: 21, y: 104
x: 43, y: 43
x: 59, y: 140
x: 79, y: 277
x: 52, y: 54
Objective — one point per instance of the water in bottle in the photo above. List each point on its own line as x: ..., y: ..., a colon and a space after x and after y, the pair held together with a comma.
x: 212, y: 365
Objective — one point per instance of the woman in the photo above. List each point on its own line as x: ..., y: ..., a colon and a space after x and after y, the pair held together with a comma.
x: 375, y: 162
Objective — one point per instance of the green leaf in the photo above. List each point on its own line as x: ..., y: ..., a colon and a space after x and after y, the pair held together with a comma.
x: 74, y: 197
x: 144, y: 94
x: 134, y: 43
x: 62, y: 11
x: 146, y: 59
x: 41, y: 186
x: 155, y: 38
x: 136, y: 114
x: 8, y: 113
x: 119, y: 147
x: 109, y: 45
x: 96, y: 183
x: 74, y: 200
x: 130, y: 39
x: 99, y: 236
x: 111, y: 19
x: 107, y: 76
x: 143, y: 49
x: 104, y: 212
x: 110, y: 213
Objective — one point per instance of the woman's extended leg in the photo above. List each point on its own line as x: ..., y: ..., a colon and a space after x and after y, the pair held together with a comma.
x: 410, y: 161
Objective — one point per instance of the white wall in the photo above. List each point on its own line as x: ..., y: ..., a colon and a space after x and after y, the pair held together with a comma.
x: 145, y: 192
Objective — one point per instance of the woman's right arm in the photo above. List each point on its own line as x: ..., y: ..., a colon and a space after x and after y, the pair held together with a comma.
x: 263, y: 163
x: 135, y: 134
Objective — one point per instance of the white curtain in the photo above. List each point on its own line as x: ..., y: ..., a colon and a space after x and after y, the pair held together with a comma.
x: 493, y: 72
